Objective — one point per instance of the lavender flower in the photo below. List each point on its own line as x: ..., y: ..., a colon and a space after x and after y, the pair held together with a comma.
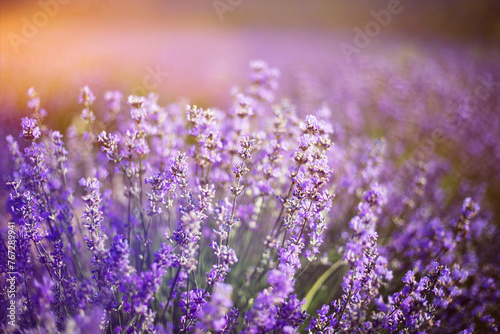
x: 212, y: 314
x: 95, y: 241
x: 110, y: 146
x: 194, y: 220
x: 60, y: 152
x: 191, y: 304
x: 34, y: 105
x: 264, y: 80
x: 113, y: 100
x: 31, y: 131
x: 87, y: 98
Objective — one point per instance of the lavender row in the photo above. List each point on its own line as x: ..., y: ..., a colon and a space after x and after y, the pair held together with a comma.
x: 255, y: 219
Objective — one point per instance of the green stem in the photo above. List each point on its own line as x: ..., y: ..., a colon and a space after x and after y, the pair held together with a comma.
x: 319, y: 283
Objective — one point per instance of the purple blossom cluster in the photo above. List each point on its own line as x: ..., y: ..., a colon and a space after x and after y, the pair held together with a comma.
x: 257, y: 218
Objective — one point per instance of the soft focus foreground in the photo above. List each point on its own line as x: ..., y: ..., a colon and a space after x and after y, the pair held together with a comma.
x: 349, y: 193
x: 184, y: 219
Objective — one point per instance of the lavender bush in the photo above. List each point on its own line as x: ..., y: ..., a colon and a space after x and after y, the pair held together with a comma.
x: 255, y: 219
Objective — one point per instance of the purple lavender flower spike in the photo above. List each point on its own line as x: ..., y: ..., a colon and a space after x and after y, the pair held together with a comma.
x: 31, y: 131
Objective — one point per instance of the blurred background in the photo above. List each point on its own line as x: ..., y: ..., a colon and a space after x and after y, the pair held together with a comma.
x: 202, y: 48
x: 433, y: 51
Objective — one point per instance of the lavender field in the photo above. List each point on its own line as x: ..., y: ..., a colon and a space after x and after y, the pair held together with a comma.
x: 213, y: 174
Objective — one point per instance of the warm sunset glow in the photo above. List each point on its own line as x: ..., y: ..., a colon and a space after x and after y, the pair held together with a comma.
x: 249, y: 166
